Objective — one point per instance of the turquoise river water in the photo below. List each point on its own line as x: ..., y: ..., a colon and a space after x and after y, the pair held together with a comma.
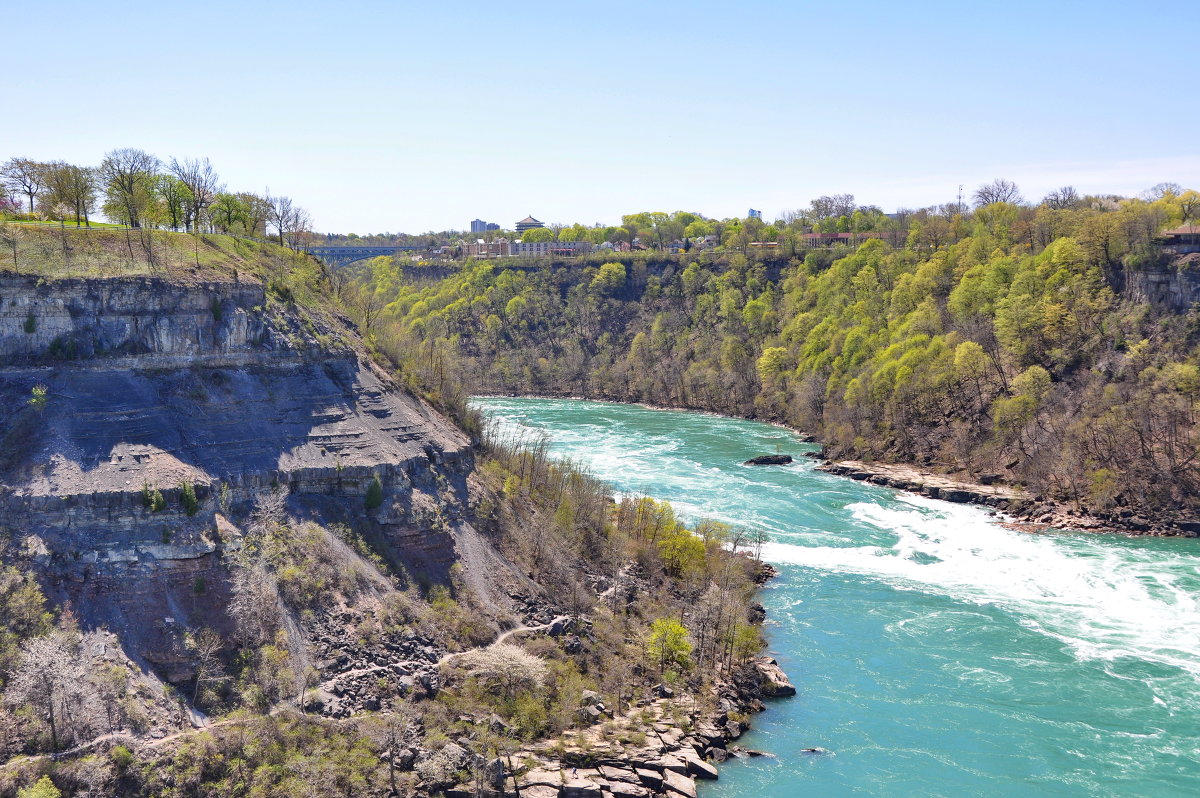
x: 935, y: 652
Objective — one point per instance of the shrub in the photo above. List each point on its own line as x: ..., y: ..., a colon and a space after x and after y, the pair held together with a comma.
x: 37, y: 399
x: 43, y: 789
x: 121, y: 757
x: 187, y: 495
x: 30, y: 324
x: 152, y: 498
x: 374, y: 493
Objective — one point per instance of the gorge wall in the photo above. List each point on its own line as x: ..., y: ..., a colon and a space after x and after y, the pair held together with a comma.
x: 216, y: 388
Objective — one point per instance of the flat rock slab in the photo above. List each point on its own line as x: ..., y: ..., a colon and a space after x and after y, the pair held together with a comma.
x: 701, y: 769
x: 651, y: 778
x: 679, y: 784
x: 620, y: 789
x: 581, y: 788
x: 539, y: 791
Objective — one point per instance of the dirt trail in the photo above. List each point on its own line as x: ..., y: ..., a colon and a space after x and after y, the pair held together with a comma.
x: 503, y: 637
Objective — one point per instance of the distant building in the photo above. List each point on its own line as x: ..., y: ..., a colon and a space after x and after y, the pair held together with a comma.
x: 564, y: 249
x: 1182, y: 240
x: 753, y: 214
x: 528, y: 223
x: 486, y: 249
x: 478, y: 226
x: 493, y: 226
x: 821, y: 240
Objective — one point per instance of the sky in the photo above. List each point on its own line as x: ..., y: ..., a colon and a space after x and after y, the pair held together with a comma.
x: 408, y: 117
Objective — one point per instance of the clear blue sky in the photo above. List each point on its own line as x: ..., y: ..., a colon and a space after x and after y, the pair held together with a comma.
x: 404, y: 116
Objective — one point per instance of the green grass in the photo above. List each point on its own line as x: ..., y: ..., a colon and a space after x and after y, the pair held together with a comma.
x: 51, y: 251
x: 69, y: 223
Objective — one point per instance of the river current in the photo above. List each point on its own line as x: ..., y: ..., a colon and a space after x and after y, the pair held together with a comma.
x: 936, y: 653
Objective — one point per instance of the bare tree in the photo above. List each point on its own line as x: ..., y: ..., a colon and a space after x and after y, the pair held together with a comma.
x: 280, y: 213
x: 128, y: 178
x: 255, y: 605
x: 202, y: 182
x: 287, y: 218
x: 206, y: 647
x: 398, y: 737
x: 1162, y: 191
x: 1062, y: 198
x: 831, y: 207
x: 48, y: 678
x: 24, y: 176
x: 301, y: 222
x: 74, y: 187
x: 999, y: 190
x: 10, y: 236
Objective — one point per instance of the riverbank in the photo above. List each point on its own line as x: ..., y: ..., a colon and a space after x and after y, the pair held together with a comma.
x: 659, y: 748
x: 1024, y: 511
x: 934, y: 649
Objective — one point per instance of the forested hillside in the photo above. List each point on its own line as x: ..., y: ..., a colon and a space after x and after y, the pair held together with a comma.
x: 1014, y: 340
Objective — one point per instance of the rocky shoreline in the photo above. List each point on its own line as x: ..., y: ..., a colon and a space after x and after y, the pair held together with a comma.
x: 660, y: 748
x: 1025, y: 512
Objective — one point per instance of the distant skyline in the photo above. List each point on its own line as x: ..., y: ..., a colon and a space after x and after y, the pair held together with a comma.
x: 405, y: 117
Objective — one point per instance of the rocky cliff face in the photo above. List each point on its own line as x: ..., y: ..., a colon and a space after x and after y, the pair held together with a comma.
x: 1174, y: 285
x: 214, y: 389
x: 65, y: 319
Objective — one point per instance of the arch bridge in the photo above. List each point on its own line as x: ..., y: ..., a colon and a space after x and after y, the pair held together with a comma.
x: 341, y: 256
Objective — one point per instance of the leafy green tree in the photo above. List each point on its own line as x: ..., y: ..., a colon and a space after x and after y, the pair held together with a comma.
x: 537, y: 234
x: 668, y: 645
x: 609, y: 279
x: 772, y: 362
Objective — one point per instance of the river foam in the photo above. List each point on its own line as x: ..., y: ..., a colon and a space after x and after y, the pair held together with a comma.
x: 937, y: 652
x: 1104, y: 601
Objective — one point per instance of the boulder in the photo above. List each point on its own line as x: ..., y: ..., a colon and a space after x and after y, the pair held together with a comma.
x: 775, y: 683
x: 769, y: 459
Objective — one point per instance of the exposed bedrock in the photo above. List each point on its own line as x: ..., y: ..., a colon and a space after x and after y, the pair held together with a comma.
x: 154, y: 386
x: 128, y: 316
